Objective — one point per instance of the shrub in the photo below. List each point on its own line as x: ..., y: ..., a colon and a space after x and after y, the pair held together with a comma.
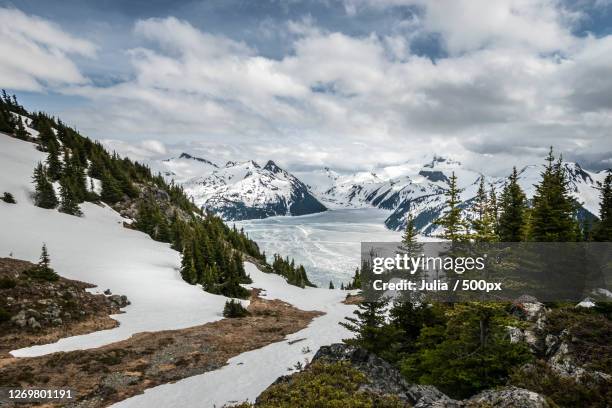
x: 324, y: 385
x: 233, y: 308
x: 7, y: 282
x: 42, y: 273
x: 8, y: 198
x: 4, y: 315
x: 565, y: 392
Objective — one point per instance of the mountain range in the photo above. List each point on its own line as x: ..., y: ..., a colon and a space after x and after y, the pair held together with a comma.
x: 245, y: 190
x: 242, y: 190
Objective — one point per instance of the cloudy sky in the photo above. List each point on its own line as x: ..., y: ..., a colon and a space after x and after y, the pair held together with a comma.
x: 348, y: 84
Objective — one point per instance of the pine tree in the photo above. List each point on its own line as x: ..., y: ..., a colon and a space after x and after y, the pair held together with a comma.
x: 43, y: 270
x: 68, y: 203
x: 410, y: 245
x: 483, y: 224
x: 553, y: 215
x: 452, y: 221
x: 20, y: 130
x: 111, y: 193
x: 188, y: 271
x: 44, y: 195
x: 603, y: 229
x: 331, y: 285
x: 54, y: 165
x: 512, y: 220
x: 45, y: 260
x: 371, y: 329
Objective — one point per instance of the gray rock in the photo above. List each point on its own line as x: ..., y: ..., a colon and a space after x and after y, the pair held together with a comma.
x: 509, y: 397
x: 383, y: 378
x: 57, y: 322
x: 118, y: 300
x: 108, y: 292
x: 33, y: 323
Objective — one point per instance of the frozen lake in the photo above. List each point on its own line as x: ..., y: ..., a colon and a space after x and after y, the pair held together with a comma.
x: 327, y: 244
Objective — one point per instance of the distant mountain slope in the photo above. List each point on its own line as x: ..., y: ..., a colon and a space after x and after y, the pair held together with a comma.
x: 243, y: 190
x: 420, y: 189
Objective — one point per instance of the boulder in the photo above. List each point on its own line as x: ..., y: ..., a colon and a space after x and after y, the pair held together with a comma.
x: 118, y: 300
x: 508, y: 397
x: 33, y: 323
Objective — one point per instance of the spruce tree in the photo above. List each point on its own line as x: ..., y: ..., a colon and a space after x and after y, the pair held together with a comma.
x: 44, y: 195
x: 20, y: 130
x: 452, y: 221
x: 111, y: 192
x: 188, y: 271
x: 410, y: 245
x: 371, y: 329
x: 483, y: 224
x: 553, y: 215
x: 68, y: 203
x: 512, y: 220
x: 43, y: 270
x: 603, y: 229
x: 331, y: 285
x: 54, y: 165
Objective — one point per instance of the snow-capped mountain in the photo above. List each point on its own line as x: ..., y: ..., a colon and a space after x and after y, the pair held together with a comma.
x: 420, y: 189
x: 241, y: 190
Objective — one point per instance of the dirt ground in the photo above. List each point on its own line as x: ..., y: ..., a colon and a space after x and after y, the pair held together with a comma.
x: 120, y: 370
x: 60, y: 308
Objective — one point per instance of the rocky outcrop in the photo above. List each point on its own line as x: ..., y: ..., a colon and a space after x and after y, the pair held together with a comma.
x: 384, y: 379
x: 508, y: 397
x: 34, y: 310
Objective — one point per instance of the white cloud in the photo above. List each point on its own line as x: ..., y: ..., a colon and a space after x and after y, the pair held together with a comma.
x: 515, y: 81
x: 35, y: 53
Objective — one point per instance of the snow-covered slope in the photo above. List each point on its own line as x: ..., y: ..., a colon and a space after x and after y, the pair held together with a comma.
x: 245, y: 190
x: 255, y: 370
x: 96, y: 248
x: 420, y: 189
x: 185, y: 167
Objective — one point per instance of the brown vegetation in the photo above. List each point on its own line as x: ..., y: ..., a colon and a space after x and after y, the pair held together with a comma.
x: 120, y: 370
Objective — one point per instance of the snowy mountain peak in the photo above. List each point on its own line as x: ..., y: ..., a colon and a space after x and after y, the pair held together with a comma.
x: 245, y: 190
x: 439, y: 161
x: 271, y: 166
x: 199, y: 159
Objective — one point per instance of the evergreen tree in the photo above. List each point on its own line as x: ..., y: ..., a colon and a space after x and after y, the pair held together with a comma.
x: 471, y: 351
x: 410, y: 245
x: 54, y: 165
x: 111, y: 192
x: 8, y: 198
x: 68, y: 203
x: 43, y: 270
x: 331, y: 285
x: 512, y: 220
x: 452, y: 221
x: 44, y: 195
x: 188, y: 271
x: 20, y: 130
x: 553, y: 215
x: 603, y: 229
x: 483, y: 224
x: 371, y: 329
x: 233, y: 308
